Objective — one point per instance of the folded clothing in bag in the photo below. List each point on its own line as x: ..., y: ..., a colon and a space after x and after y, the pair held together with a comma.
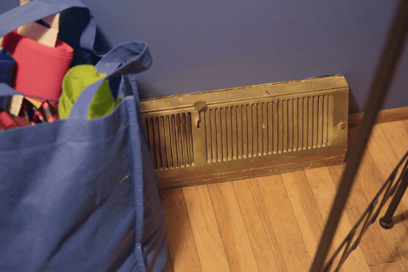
x: 75, y: 81
x: 40, y: 69
x: 7, y: 122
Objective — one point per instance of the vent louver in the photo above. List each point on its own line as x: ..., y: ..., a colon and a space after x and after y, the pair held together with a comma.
x: 170, y: 140
x: 245, y: 132
x: 266, y: 128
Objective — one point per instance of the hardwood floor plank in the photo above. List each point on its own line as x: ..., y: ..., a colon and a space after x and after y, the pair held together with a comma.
x: 291, y: 244
x: 382, y: 152
x: 397, y: 136
x: 205, y: 229
x: 392, y: 145
x: 405, y: 123
x: 374, y: 246
x: 386, y: 267
x: 305, y: 208
x: 181, y: 244
x: 259, y: 226
x: 370, y: 179
x: 274, y: 223
x: 232, y: 228
x: 324, y: 191
x: 386, y: 151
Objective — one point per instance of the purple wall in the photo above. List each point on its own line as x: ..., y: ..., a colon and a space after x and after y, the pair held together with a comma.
x: 212, y: 44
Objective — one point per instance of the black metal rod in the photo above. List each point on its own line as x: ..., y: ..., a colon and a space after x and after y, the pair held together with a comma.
x: 379, y: 88
x: 386, y: 221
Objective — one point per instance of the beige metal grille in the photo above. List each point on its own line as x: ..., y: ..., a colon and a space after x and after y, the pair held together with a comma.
x: 247, y: 131
x: 266, y: 128
x: 170, y: 140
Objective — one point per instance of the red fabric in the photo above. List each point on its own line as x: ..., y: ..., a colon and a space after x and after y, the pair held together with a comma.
x: 6, y: 122
x: 21, y: 121
x: 40, y: 69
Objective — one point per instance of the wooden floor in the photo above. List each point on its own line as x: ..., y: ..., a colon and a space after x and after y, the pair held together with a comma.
x: 274, y: 223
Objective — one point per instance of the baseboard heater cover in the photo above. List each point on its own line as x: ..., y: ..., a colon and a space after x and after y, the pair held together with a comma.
x: 247, y: 132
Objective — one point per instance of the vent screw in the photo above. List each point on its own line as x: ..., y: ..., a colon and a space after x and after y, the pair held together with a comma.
x: 342, y: 126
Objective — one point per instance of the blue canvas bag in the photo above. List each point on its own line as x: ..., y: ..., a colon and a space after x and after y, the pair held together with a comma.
x: 78, y: 194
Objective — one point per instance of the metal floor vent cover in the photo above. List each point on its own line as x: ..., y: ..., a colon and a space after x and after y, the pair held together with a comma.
x: 246, y: 132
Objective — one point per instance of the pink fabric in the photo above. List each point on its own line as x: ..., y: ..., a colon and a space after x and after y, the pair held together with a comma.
x: 40, y: 69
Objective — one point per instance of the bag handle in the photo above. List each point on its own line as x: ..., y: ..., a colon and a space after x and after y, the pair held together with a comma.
x: 38, y: 9
x: 125, y: 59
x: 6, y: 90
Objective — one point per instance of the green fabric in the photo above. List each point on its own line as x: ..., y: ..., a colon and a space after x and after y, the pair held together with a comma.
x: 75, y: 81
